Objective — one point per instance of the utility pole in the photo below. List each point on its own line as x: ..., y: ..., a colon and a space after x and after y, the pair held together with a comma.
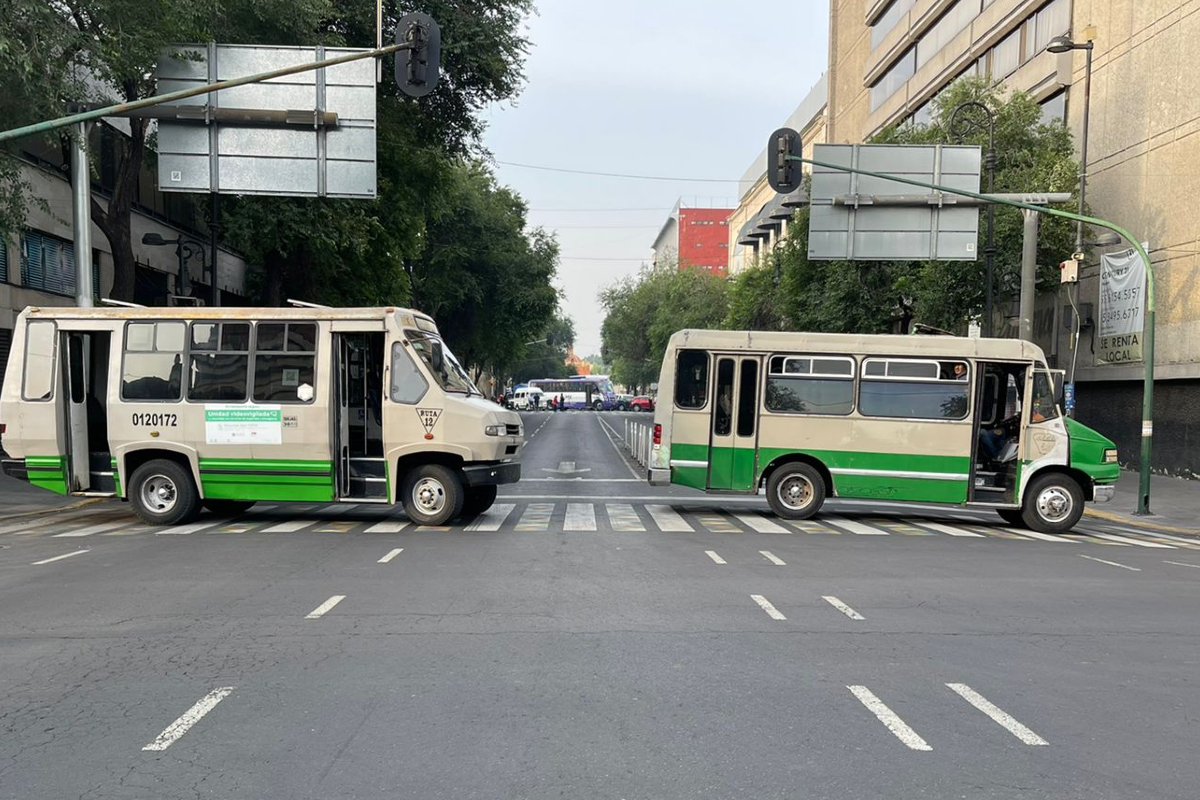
x: 81, y: 206
x: 1028, y: 272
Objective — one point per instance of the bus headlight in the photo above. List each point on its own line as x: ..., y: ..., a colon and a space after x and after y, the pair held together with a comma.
x: 494, y: 430
x: 1110, y: 455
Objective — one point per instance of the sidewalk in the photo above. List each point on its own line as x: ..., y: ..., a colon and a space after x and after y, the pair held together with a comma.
x: 1174, y: 504
x: 19, y: 499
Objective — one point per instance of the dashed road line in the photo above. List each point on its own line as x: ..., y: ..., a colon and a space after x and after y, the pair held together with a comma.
x: 774, y: 559
x: 889, y: 718
x: 999, y: 715
x: 842, y: 607
x: 766, y: 606
x: 325, y: 607
x: 60, y: 558
x: 190, y: 717
x: 1111, y: 563
x: 716, y: 558
x: 390, y: 555
x: 1183, y: 564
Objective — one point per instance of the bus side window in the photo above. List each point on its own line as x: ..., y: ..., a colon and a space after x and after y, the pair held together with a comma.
x: 284, y: 358
x: 408, y: 384
x: 220, y: 361
x: 691, y: 379
x: 1044, y: 406
x: 153, y: 362
x: 39, y: 361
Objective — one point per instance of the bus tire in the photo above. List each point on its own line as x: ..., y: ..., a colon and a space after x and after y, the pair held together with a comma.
x: 433, y: 494
x: 228, y: 508
x: 478, y: 500
x: 598, y: 405
x: 162, y: 492
x: 1012, y: 516
x: 1053, y: 503
x: 796, y: 491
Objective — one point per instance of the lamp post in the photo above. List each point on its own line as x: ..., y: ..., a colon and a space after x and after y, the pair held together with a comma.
x: 184, y: 249
x: 989, y: 162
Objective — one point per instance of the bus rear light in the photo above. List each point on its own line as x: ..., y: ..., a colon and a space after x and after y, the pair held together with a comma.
x: 658, y: 434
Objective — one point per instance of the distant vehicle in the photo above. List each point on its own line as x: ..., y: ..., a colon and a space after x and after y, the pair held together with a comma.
x: 943, y: 419
x: 622, y: 402
x: 580, y: 392
x: 641, y: 404
x: 524, y: 398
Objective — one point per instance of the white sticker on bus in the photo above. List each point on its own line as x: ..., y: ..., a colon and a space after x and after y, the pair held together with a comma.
x: 241, y: 424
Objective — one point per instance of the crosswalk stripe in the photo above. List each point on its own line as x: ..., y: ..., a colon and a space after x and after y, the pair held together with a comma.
x: 390, y: 525
x: 950, y: 531
x: 1091, y: 538
x: 580, y: 517
x: 91, y: 529
x: 493, y: 518
x: 1112, y: 537
x: 717, y: 523
x: 291, y: 526
x: 896, y: 526
x: 807, y: 526
x: 342, y: 526
x: 1179, y: 541
x: 760, y: 524
x: 183, y: 530
x: 857, y: 527
x: 35, y: 525
x: 536, y: 517
x: 1047, y: 537
x: 667, y: 519
x: 623, y: 518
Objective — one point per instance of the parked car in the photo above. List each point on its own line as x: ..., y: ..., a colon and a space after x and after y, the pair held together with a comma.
x: 622, y: 403
x: 641, y: 404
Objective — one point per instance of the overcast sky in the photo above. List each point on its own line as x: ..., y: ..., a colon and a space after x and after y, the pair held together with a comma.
x: 675, y: 88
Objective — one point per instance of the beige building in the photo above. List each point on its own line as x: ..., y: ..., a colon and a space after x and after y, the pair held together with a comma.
x: 762, y: 217
x: 889, y: 58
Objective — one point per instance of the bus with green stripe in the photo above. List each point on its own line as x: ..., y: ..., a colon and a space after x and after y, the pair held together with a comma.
x: 932, y: 419
x: 175, y: 409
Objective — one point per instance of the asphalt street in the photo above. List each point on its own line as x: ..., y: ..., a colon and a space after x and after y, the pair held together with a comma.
x: 595, y: 637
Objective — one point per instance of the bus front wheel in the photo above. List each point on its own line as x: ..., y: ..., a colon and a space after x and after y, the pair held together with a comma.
x: 478, y: 500
x: 433, y: 494
x: 1053, y: 503
x: 162, y: 493
x: 598, y: 405
x: 796, y: 491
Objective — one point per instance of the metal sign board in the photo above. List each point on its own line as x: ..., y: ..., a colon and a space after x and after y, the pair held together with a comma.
x: 863, y: 218
x: 311, y: 134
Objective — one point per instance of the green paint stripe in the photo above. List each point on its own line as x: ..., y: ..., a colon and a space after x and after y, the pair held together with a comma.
x: 263, y: 464
x: 45, y: 461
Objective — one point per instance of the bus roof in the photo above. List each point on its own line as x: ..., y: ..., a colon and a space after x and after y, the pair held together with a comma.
x: 860, y: 343
x: 305, y: 313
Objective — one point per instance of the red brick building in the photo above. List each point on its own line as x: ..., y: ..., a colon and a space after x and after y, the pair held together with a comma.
x: 698, y: 237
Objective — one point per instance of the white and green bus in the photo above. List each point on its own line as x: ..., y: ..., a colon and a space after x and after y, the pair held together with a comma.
x: 933, y: 419
x: 173, y: 409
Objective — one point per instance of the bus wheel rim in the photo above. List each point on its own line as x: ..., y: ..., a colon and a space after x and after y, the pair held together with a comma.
x: 429, y: 495
x: 795, y: 492
x: 1055, y: 504
x: 159, y: 494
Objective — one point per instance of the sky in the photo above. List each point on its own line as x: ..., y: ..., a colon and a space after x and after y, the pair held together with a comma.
x: 670, y: 88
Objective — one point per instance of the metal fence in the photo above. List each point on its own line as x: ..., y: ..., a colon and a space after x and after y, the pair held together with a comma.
x: 638, y: 438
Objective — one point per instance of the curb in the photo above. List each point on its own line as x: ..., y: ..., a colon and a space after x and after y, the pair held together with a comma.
x: 1154, y: 526
x: 78, y: 504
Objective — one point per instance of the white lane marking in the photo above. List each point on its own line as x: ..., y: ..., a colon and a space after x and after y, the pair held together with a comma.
x: 190, y: 717
x: 184, y: 530
x: 1046, y: 537
x: 290, y: 527
x: 1193, y: 541
x: 999, y: 715
x: 493, y: 518
x: 774, y: 559
x: 390, y: 556
x: 388, y: 526
x: 766, y: 606
x: 889, y: 718
x: 622, y: 517
x: 949, y: 530
x: 855, y: 527
x: 88, y: 531
x: 713, y: 555
x: 667, y: 519
x: 1112, y: 537
x: 60, y: 558
x: 1111, y: 563
x: 1176, y: 563
x: 761, y: 524
x: 1089, y: 537
x: 842, y: 607
x: 324, y: 608
x: 604, y: 427
x: 580, y: 517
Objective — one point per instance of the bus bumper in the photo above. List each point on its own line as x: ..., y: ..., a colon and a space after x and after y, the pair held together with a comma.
x: 491, y: 474
x: 1103, y: 492
x: 660, y: 477
x: 13, y: 467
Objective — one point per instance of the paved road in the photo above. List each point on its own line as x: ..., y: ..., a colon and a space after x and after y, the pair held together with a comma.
x: 602, y: 638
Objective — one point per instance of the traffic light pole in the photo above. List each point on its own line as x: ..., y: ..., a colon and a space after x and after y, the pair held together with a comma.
x: 1143, y: 504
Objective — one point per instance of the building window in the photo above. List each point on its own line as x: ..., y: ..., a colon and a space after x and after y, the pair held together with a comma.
x: 1053, y: 19
x: 47, y: 263
x: 896, y: 76
x: 952, y: 23
x: 220, y: 361
x: 153, y: 365
x: 284, y: 357
x: 1054, y: 108
x: 3, y: 261
x: 888, y: 20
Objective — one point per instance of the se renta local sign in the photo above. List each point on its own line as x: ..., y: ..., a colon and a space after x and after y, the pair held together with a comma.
x: 1122, y: 304
x: 240, y: 424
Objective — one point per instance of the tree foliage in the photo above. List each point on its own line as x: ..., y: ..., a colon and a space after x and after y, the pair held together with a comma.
x: 546, y: 356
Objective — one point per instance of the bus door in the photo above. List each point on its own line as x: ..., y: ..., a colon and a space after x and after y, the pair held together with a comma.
x: 359, y: 462
x: 85, y: 391
x: 733, y: 441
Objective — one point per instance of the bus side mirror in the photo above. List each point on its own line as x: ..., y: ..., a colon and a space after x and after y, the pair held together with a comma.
x: 436, y: 358
x: 1058, y: 380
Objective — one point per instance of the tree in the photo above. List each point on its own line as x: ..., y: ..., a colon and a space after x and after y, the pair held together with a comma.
x: 547, y: 358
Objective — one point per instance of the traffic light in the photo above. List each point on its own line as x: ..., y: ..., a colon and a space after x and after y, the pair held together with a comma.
x: 417, y: 67
x: 783, y: 173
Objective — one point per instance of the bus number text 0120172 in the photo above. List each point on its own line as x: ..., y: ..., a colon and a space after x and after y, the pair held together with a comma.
x: 156, y: 420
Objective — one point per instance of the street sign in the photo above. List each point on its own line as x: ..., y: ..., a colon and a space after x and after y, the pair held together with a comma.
x: 311, y: 134
x: 851, y: 218
x: 1122, y: 302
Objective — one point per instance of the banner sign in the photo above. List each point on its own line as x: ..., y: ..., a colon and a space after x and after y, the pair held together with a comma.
x: 1122, y: 300
x: 241, y: 424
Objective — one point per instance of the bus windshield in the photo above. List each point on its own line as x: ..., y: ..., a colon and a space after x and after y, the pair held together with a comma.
x: 449, y: 374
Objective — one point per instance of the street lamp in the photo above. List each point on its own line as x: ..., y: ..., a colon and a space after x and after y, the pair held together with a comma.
x: 184, y: 249
x: 989, y: 161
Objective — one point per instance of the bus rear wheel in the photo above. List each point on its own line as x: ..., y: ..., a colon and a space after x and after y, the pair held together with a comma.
x: 433, y: 494
x: 478, y: 500
x: 1053, y: 503
x: 228, y: 508
x: 598, y: 405
x: 162, y: 493
x: 796, y: 491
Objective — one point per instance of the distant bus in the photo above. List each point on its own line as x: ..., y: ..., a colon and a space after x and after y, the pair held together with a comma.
x: 580, y: 392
